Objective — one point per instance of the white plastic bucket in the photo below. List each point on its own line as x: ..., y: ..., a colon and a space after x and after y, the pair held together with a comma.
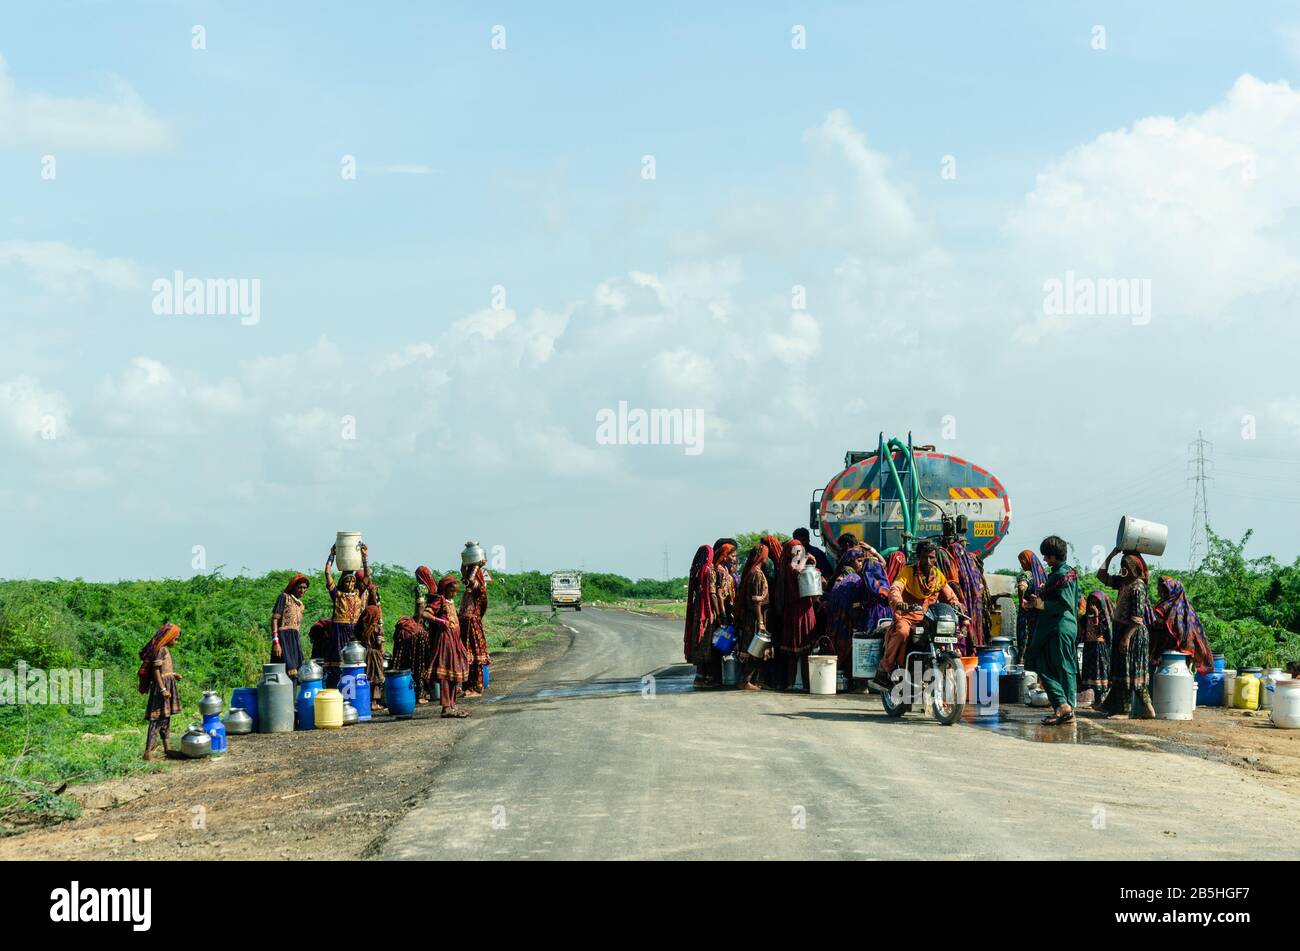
x: 821, y: 671
x: 347, y: 551
x: 1141, y: 536
x: 867, y: 649
x: 1286, y: 705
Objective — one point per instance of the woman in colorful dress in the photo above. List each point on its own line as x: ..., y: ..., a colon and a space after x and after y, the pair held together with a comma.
x: 448, y: 661
x: 846, y: 604
x: 1098, y: 632
x: 371, y: 635
x: 751, y: 617
x: 1130, y: 675
x: 286, y: 623
x: 969, y: 579
x: 348, y: 603
x: 158, y: 678
x: 473, y: 605
x: 1178, y: 627
x: 1052, y: 650
x: 696, y: 646
x: 412, y: 647
x: 1032, y: 578
x: 799, y: 623
x: 724, y: 584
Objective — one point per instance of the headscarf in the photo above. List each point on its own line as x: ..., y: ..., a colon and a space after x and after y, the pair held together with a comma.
x: 149, y: 653
x: 447, y: 586
x: 1181, y: 625
x: 757, y: 556
x: 1105, y: 614
x: 724, y: 551
x: 1134, y: 564
x: 1037, y: 572
x: 699, y: 609
x: 425, y: 577
x: 296, y: 580
x: 897, y: 559
x: 851, y: 560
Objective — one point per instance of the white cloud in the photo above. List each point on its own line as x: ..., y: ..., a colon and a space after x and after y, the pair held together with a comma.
x: 118, y: 120
x: 63, y: 268
x: 1206, y: 207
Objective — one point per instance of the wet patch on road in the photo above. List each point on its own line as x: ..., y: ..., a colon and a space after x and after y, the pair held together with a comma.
x: 678, y: 678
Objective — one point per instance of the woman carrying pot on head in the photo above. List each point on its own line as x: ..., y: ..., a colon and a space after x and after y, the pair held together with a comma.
x: 348, y: 603
x: 286, y: 623
x: 158, y: 678
x: 751, y: 618
x: 473, y: 605
x: 448, y: 665
x: 1130, y: 675
x: 1052, y: 654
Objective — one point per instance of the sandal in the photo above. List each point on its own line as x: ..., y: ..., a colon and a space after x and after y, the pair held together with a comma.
x: 452, y: 713
x: 1058, y: 719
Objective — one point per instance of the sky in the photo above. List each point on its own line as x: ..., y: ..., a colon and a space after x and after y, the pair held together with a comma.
x: 1060, y: 240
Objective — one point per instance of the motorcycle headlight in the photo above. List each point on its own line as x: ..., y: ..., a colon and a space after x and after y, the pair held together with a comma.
x: 945, y: 626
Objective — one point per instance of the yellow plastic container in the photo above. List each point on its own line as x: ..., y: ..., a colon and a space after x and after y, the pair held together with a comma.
x: 1245, y: 692
x: 329, y: 709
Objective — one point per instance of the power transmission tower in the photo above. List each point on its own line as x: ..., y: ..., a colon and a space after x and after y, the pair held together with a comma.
x: 1201, y: 465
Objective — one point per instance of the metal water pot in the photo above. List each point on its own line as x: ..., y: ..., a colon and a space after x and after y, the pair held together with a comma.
x: 473, y: 554
x: 350, y: 714
x: 238, y: 722
x: 310, y: 670
x: 758, y: 644
x: 730, y: 670
x: 210, y: 703
x: 195, y: 743
x: 353, y: 655
x: 810, y: 582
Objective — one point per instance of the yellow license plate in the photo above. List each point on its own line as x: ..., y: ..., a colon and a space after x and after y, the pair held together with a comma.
x: 984, y: 529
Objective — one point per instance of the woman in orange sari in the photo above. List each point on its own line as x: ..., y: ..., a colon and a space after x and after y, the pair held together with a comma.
x: 448, y: 661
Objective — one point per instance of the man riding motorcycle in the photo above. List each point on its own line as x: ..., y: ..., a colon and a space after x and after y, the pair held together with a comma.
x: 916, y: 588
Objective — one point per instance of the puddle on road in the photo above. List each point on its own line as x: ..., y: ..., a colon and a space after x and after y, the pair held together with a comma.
x: 676, y: 679
x: 1079, y: 732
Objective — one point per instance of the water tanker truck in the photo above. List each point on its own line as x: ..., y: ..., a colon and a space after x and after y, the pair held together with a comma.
x: 898, y: 493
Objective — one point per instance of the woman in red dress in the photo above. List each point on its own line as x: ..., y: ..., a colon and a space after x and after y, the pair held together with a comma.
x: 473, y: 605
x: 448, y: 662
x: 799, y: 620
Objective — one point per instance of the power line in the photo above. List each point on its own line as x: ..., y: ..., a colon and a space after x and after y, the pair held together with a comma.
x: 1199, y: 545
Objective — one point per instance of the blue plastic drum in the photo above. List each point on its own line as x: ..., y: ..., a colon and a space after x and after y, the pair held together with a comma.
x: 246, y: 699
x: 305, y: 704
x: 399, y: 693
x: 355, y: 687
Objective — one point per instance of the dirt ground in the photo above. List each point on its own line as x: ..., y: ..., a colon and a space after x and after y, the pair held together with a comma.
x: 323, y: 794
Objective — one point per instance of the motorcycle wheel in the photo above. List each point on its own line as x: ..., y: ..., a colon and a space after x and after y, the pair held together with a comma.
x: 895, y: 710
x: 948, y: 695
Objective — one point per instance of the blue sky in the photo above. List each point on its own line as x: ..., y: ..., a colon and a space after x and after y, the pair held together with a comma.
x: 521, y: 168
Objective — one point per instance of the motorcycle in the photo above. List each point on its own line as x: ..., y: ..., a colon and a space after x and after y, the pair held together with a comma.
x: 932, y: 671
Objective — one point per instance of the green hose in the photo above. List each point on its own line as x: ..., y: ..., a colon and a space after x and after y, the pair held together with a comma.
x: 909, y: 522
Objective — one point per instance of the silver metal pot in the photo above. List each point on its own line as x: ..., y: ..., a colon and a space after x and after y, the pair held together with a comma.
x: 195, y: 743
x: 353, y: 655
x: 238, y: 722
x: 310, y: 670
x: 210, y: 703
x: 810, y: 582
x: 758, y: 644
x: 473, y: 554
x: 350, y: 714
x: 730, y: 670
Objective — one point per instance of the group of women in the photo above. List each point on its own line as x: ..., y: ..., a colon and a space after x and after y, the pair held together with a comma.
x: 1122, y: 638
x: 763, y: 596
x: 441, y: 643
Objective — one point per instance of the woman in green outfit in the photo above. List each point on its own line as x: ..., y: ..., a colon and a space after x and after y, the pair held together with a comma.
x: 1051, y: 652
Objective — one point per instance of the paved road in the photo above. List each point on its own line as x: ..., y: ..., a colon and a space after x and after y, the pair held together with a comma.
x: 581, y: 763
